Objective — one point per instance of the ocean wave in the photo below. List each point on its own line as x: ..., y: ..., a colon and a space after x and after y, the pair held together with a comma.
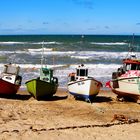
x: 40, y: 50
x: 58, y: 43
x: 11, y: 43
x: 98, y: 66
x: 25, y: 68
x: 66, y: 66
x: 13, y: 52
x: 79, y: 55
x: 38, y: 66
x: 47, y: 43
x: 82, y: 57
x: 98, y: 55
x: 62, y: 53
x: 109, y: 43
x: 31, y: 43
x: 95, y: 55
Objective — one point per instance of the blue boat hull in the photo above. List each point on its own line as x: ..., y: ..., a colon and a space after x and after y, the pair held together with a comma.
x: 83, y: 96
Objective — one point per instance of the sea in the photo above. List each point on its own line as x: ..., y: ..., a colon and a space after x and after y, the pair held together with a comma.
x: 101, y: 54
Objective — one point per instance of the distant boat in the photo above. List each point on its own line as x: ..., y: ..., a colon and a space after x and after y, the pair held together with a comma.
x: 10, y: 80
x: 126, y: 80
x: 44, y: 86
x: 80, y: 85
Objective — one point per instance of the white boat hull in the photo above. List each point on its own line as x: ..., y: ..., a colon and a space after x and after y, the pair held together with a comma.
x: 87, y: 88
x: 127, y: 87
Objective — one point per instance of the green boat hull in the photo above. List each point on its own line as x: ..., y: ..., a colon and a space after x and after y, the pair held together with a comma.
x: 41, y: 89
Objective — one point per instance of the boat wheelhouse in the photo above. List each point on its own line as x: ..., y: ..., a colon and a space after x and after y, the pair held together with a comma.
x: 10, y: 80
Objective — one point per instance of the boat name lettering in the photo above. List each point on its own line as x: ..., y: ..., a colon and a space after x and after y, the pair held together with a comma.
x: 131, y: 80
x: 80, y: 83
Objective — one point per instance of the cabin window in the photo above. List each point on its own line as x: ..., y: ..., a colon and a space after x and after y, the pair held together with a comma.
x: 133, y: 66
x: 86, y: 72
x: 72, y: 78
x: 138, y: 67
x: 11, y: 70
x: 78, y: 72
x: 124, y: 67
x: 128, y: 67
x: 82, y: 72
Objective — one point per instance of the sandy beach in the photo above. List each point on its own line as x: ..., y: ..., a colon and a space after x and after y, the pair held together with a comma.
x: 63, y: 117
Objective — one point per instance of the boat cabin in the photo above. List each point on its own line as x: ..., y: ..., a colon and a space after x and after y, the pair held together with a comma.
x: 11, y: 69
x: 10, y: 73
x: 82, y: 71
x: 46, y: 74
x: 131, y: 64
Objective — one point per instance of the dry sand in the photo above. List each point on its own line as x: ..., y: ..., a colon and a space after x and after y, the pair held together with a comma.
x: 22, y: 118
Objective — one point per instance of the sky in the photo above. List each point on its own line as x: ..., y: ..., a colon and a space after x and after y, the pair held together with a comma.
x: 70, y: 17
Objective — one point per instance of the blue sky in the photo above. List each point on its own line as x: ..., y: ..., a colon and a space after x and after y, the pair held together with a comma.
x: 70, y: 17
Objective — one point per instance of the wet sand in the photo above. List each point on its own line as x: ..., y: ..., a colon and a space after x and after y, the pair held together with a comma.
x: 63, y: 117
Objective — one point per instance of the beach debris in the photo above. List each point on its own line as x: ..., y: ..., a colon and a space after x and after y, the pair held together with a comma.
x: 121, y: 99
x: 123, y: 119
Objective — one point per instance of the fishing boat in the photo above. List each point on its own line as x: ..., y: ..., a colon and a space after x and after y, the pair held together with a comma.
x: 126, y: 80
x: 44, y: 86
x: 82, y: 86
x: 10, y: 80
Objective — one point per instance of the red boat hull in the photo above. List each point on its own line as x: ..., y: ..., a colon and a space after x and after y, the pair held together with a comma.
x: 7, y: 88
x: 126, y: 95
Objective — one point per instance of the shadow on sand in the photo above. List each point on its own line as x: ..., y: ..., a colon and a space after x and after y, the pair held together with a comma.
x: 27, y: 97
x: 100, y: 99
x: 53, y: 98
x: 97, y: 99
x: 16, y: 97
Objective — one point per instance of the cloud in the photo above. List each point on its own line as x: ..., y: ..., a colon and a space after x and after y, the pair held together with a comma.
x: 94, y: 28
x: 8, y: 30
x: 44, y: 23
x: 91, y: 29
x: 23, y: 31
x: 138, y: 23
x: 87, y: 3
x: 29, y: 21
x: 106, y: 27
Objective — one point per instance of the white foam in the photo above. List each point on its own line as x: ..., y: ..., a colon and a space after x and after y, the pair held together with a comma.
x: 40, y: 50
x: 98, y: 66
x: 53, y: 52
x: 109, y: 43
x: 47, y: 43
x: 98, y: 55
x: 81, y: 57
x: 38, y: 66
x: 95, y: 55
x: 12, y: 43
x: 14, y: 52
x: 34, y: 43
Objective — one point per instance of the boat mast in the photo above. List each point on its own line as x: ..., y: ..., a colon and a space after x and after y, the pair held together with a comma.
x: 131, y: 49
x: 131, y: 53
x: 42, y: 56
